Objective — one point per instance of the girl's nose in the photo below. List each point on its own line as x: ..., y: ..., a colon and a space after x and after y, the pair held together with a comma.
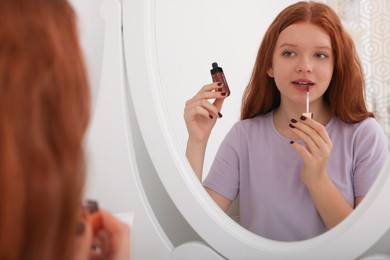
x: 304, y: 66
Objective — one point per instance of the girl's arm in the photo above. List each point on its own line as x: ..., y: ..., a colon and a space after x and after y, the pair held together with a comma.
x: 195, y: 154
x: 330, y: 203
x: 200, y: 116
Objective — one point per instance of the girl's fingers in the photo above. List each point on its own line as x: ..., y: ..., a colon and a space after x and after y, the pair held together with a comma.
x: 201, y: 107
x: 311, y: 139
x: 313, y: 134
x: 210, y: 87
x: 191, y: 113
x: 84, y: 238
x: 116, y: 237
x: 208, y: 92
x: 319, y: 128
x: 101, y: 246
x: 300, y: 149
x: 218, y: 102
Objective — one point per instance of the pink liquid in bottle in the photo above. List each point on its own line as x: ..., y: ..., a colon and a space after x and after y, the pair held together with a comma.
x: 218, y: 76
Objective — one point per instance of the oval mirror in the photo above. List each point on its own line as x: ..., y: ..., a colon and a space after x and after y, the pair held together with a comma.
x: 148, y: 28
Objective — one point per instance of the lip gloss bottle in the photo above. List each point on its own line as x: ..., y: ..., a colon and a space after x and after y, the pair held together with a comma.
x: 218, y: 76
x: 307, y: 114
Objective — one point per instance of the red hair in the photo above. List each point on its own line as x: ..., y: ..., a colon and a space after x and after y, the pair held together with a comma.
x: 44, y: 112
x: 345, y: 94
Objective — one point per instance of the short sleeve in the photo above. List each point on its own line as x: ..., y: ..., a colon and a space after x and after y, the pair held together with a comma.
x: 371, y: 150
x: 223, y: 177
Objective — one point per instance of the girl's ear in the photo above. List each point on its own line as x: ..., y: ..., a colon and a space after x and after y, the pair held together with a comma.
x: 270, y: 72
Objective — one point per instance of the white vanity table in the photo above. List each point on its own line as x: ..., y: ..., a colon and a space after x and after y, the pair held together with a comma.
x: 135, y: 164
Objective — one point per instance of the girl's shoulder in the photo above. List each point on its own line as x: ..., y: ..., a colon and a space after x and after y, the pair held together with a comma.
x: 368, y: 130
x: 367, y: 125
x: 255, y: 122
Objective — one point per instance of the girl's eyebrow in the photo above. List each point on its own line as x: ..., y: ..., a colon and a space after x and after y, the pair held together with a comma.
x: 290, y: 45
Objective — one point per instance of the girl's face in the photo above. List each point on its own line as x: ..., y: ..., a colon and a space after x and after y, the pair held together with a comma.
x: 302, y: 59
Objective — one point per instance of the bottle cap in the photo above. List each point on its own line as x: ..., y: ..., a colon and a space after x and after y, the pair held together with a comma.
x: 308, y: 115
x: 215, y: 68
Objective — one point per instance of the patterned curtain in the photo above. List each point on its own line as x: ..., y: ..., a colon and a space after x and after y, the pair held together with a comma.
x: 368, y: 22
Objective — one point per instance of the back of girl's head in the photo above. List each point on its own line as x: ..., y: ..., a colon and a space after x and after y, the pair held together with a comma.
x: 44, y: 111
x: 345, y: 94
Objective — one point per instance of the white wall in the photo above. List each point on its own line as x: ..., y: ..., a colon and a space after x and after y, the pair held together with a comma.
x: 91, y: 28
x: 193, y: 34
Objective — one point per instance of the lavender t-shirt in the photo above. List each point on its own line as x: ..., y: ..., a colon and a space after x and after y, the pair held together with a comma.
x: 257, y: 163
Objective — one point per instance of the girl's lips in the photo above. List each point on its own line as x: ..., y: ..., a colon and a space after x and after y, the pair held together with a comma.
x: 302, y: 87
x: 303, y: 84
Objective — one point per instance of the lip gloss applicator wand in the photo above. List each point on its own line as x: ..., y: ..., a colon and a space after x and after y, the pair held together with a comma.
x: 307, y: 114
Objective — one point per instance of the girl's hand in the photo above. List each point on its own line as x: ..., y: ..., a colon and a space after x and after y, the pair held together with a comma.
x: 200, y: 114
x: 83, y: 241
x: 111, y: 240
x: 316, y: 151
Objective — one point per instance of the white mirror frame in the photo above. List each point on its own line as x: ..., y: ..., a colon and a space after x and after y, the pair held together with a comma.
x: 349, y: 240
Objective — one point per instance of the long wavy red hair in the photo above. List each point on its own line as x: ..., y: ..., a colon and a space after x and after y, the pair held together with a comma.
x: 345, y: 94
x: 44, y: 111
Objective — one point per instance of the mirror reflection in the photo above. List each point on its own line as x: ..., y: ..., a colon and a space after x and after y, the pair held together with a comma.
x: 305, y: 147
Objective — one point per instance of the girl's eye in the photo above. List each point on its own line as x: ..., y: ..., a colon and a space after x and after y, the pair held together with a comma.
x: 288, y: 53
x: 321, y: 55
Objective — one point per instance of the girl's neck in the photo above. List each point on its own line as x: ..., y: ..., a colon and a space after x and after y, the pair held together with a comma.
x: 320, y: 110
x: 284, y: 113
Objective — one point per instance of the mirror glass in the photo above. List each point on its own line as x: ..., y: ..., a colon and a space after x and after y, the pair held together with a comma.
x: 198, y: 33
x: 190, y: 35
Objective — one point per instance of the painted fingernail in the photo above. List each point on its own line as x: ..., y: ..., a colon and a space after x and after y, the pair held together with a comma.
x: 290, y: 125
x: 219, y: 84
x: 291, y: 142
x: 293, y: 121
x: 303, y: 118
x: 211, y: 117
x: 80, y: 228
x: 219, y: 114
x: 223, y: 93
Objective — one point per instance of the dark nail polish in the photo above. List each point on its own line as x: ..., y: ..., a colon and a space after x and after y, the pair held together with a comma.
x: 218, y: 76
x: 291, y: 142
x: 80, y: 228
x: 211, y: 117
x: 223, y: 93
x: 290, y: 125
x: 219, y: 83
x: 293, y: 121
x: 303, y: 118
x: 219, y: 114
